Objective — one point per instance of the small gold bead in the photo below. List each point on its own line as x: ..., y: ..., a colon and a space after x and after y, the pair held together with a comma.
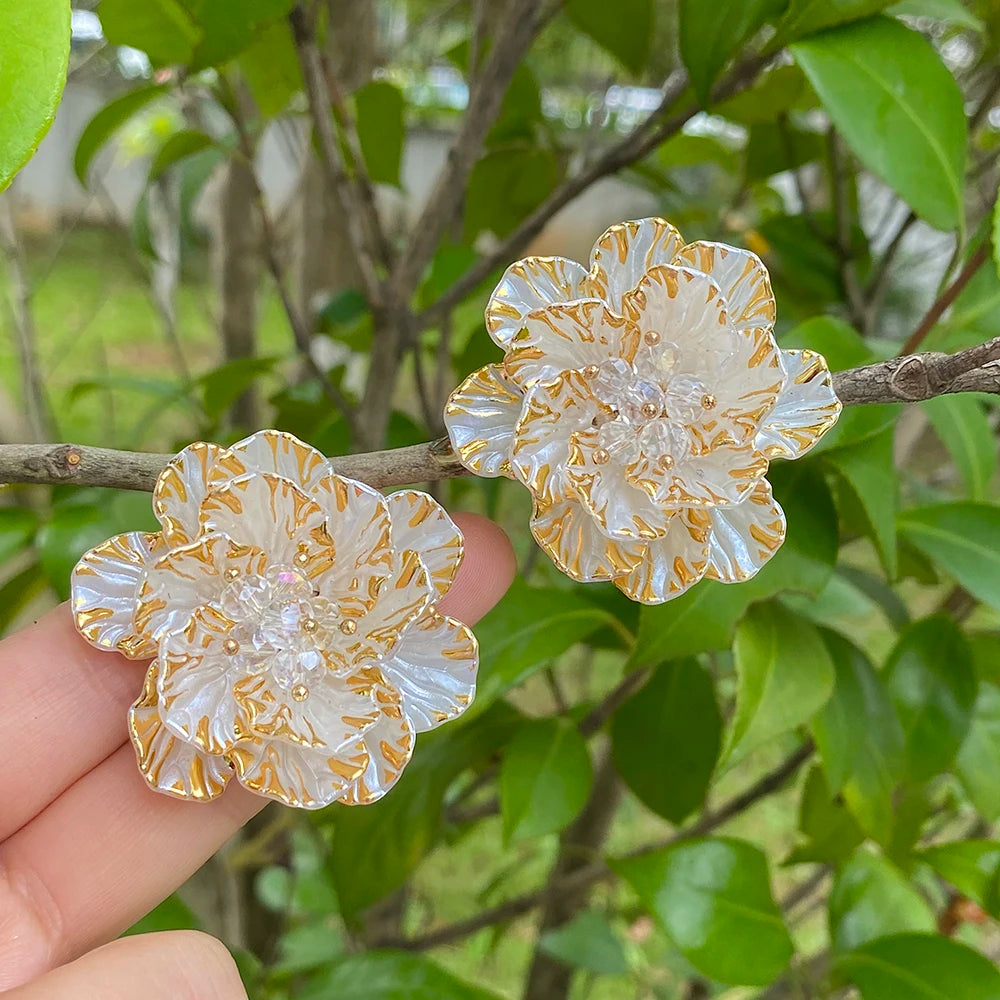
x: 230, y: 646
x: 708, y: 401
x: 348, y: 626
x: 309, y: 625
x: 651, y: 337
x: 666, y: 462
x: 601, y: 456
x: 590, y: 371
x: 300, y: 692
x: 649, y: 410
x: 301, y: 558
x: 232, y: 573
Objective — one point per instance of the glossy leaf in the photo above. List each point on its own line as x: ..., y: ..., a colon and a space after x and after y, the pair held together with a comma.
x: 164, y: 29
x: 187, y: 142
x: 227, y: 29
x: 872, y: 898
x: 505, y: 185
x: 962, y: 425
x: 784, y: 676
x: 17, y: 528
x: 978, y: 761
x: 666, y: 739
x: 951, y: 11
x: 830, y: 830
x: 106, y: 122
x: 931, y: 680
x: 624, y: 29
x: 964, y: 540
x: 544, y: 779
x: 867, y: 470
x: 389, y: 975
x: 877, y: 78
x: 34, y: 53
x: 711, y: 34
x: 713, y: 897
x: 971, y: 866
x: 270, y: 67
x: 860, y: 739
x: 380, y: 107
x: 920, y: 967
x: 588, y: 942
x: 806, y: 17
x: 838, y: 342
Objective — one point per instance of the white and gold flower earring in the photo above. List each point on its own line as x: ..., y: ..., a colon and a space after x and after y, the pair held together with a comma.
x: 640, y: 402
x: 290, y: 614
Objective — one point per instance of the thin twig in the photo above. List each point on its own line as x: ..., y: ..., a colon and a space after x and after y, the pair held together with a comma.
x: 844, y: 243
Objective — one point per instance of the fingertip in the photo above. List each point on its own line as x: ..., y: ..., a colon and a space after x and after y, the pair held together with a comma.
x: 486, y: 572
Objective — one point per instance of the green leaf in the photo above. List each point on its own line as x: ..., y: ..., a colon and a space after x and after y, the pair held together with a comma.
x: 868, y: 471
x: 683, y: 150
x: 227, y: 28
x: 18, y: 592
x: 222, y: 386
x: 624, y: 29
x: 711, y: 34
x: 106, y: 122
x: 175, y: 147
x: 17, y: 527
x: 860, y: 739
x: 952, y: 11
x: 306, y: 947
x: 380, y: 845
x: 898, y: 107
x: 527, y: 629
x: 505, y: 185
x: 34, y: 54
x: 805, y: 17
x: 163, y: 29
x: 838, y: 342
x: 774, y: 148
x: 871, y: 898
x: 964, y: 540
x: 831, y: 831
x: 781, y: 90
x: 920, y: 967
x: 978, y: 761
x: 380, y: 107
x: 961, y: 423
x: 932, y: 682
x: 587, y: 942
x: 389, y: 975
x: 271, y: 69
x: 971, y: 866
x: 173, y: 914
x: 666, y: 739
x: 544, y: 779
x: 784, y: 676
x: 713, y: 897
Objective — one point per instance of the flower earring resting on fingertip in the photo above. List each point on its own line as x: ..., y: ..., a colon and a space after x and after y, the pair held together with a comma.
x: 291, y: 617
x: 640, y: 402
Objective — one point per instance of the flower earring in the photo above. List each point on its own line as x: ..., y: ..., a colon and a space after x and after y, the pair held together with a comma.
x: 290, y: 614
x: 640, y: 402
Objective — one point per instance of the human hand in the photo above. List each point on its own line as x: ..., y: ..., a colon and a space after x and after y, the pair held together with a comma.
x: 86, y: 848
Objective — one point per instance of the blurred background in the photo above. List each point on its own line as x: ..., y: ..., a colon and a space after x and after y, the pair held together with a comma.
x: 257, y: 215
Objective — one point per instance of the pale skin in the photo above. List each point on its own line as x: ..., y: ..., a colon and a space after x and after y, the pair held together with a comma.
x: 86, y: 847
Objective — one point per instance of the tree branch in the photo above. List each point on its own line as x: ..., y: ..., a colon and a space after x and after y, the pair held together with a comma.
x: 898, y: 380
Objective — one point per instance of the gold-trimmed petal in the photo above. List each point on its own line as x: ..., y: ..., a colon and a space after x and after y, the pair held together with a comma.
x: 744, y: 536
x: 419, y: 522
x: 180, y: 489
x: 104, y: 592
x: 389, y: 744
x: 402, y: 600
x: 183, y: 579
x: 570, y: 535
x: 270, y: 512
x: 527, y: 285
x: 567, y: 336
x: 277, y: 452
x: 168, y: 763
x: 742, y: 278
x: 480, y: 416
x: 806, y: 408
x: 552, y: 412
x: 359, y: 525
x: 623, y: 511
x: 195, y: 683
x: 624, y: 253
x: 297, y: 775
x: 434, y: 669
x: 669, y: 565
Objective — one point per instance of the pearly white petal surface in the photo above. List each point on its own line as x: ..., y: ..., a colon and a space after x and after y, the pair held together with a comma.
x: 480, y: 417
x: 389, y: 745
x: 276, y: 452
x: 744, y: 536
x: 670, y: 565
x: 180, y: 489
x: 420, y: 523
x: 625, y: 252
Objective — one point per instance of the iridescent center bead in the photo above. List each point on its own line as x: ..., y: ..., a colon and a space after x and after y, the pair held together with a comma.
x: 281, y: 621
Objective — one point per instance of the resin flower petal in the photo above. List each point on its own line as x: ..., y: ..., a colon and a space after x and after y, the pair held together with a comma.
x: 271, y: 601
x: 654, y: 398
